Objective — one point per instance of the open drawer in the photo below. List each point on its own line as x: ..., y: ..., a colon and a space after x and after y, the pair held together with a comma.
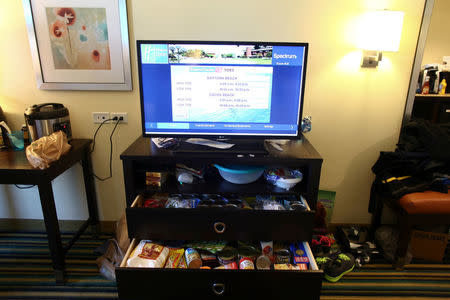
x: 148, y: 283
x: 218, y: 223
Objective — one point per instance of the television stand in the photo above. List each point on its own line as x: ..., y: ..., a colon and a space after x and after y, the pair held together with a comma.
x: 241, y: 146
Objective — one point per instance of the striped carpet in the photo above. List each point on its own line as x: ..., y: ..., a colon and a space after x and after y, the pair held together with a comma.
x: 380, y: 280
x: 26, y: 273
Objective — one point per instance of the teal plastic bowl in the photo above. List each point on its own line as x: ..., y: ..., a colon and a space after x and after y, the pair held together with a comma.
x: 240, y: 174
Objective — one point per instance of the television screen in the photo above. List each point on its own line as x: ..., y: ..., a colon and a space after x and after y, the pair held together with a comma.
x: 241, y: 89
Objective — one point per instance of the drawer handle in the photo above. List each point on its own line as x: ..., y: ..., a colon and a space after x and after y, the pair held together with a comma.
x: 219, y: 227
x: 218, y: 288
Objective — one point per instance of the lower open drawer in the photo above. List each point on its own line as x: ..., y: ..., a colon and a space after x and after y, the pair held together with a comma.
x: 157, y: 283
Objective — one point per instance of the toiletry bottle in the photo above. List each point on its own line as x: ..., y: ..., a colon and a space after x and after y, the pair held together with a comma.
x: 426, y: 86
x: 442, y: 87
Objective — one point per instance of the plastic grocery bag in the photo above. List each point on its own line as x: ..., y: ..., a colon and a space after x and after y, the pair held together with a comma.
x: 47, y: 149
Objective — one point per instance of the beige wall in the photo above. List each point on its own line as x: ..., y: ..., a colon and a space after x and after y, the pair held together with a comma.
x: 438, y: 40
x: 356, y: 112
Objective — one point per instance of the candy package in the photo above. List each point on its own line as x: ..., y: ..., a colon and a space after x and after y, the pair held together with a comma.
x: 182, y: 264
x: 182, y: 201
x: 175, y: 256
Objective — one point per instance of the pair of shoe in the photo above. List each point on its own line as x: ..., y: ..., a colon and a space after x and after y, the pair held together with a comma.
x: 336, y: 265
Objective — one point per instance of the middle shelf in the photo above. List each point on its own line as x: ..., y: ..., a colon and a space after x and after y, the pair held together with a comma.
x: 217, y: 185
x: 214, y: 183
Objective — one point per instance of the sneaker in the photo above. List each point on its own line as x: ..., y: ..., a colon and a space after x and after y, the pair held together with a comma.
x: 322, y: 262
x: 342, y: 264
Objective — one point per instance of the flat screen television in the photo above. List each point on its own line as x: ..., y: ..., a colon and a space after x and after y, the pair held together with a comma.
x: 221, y: 89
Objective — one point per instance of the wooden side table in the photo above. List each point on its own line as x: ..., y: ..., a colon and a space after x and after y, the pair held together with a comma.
x: 15, y: 169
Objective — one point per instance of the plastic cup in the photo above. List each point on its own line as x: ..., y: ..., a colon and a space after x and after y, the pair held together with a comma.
x: 16, y: 139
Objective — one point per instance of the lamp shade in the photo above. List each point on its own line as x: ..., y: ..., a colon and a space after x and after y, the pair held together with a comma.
x: 381, y: 30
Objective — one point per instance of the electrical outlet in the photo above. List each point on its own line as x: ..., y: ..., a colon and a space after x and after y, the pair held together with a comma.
x: 99, y: 117
x: 119, y: 115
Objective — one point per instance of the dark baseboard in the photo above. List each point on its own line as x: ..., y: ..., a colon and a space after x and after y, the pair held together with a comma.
x: 33, y: 225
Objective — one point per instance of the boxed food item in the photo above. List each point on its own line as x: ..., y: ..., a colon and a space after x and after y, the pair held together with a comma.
x: 148, y: 255
x: 299, y: 254
x: 155, y: 178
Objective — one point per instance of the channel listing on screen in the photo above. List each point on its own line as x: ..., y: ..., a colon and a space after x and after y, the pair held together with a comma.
x: 220, y: 89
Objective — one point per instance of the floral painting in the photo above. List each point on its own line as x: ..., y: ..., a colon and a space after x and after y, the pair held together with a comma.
x: 79, y: 38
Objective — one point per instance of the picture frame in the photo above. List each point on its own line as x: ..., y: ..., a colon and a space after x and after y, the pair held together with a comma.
x: 79, y: 44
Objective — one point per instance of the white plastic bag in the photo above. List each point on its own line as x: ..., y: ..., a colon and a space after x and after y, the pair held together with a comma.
x: 47, y: 149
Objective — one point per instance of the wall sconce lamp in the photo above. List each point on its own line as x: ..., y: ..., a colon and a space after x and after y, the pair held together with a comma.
x: 380, y: 31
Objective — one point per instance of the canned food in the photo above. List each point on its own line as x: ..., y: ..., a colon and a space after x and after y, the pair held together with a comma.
x: 246, y: 264
x: 248, y: 251
x: 193, y: 260
x: 283, y: 256
x: 227, y: 255
x: 263, y: 262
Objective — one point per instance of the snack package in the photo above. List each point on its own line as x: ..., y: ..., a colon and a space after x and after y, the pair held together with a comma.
x: 267, y: 249
x: 299, y: 254
x: 211, y: 246
x: 178, y: 201
x: 148, y: 255
x: 182, y: 264
x: 175, y: 255
x: 156, y: 200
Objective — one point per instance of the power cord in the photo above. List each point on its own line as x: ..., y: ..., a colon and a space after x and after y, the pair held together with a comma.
x: 110, y: 146
x: 96, y: 131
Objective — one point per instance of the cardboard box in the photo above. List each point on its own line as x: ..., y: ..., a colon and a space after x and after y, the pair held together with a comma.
x: 428, y: 245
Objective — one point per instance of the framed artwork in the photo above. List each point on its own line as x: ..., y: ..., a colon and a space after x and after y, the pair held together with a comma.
x: 79, y: 44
